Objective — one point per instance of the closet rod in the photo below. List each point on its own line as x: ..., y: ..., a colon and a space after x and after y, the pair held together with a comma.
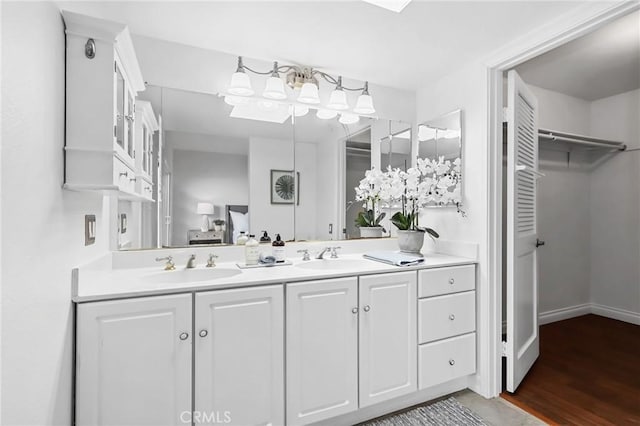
x: 579, y: 139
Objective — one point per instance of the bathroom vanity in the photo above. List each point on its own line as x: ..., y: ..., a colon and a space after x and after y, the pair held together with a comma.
x: 335, y: 340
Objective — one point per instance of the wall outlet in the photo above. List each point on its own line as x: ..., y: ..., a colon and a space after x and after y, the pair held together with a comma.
x: 89, y: 229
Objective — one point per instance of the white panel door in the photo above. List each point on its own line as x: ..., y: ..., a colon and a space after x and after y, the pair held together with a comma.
x: 239, y: 356
x: 322, y: 349
x: 133, y: 361
x: 388, y: 336
x: 522, y: 264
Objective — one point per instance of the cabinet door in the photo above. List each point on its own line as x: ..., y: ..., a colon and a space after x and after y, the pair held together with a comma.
x: 322, y: 349
x: 388, y: 336
x: 133, y: 361
x: 239, y: 356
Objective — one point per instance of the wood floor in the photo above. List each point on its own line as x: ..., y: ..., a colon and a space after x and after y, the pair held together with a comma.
x: 588, y: 373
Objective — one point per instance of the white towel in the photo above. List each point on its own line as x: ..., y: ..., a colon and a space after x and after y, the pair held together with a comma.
x: 395, y: 258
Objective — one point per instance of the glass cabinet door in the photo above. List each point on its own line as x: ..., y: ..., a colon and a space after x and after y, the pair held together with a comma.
x: 130, y: 124
x: 120, y: 113
x: 145, y: 149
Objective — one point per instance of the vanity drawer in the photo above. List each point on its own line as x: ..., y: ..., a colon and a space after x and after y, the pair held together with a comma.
x: 446, y: 316
x: 433, y: 282
x: 123, y: 176
x: 446, y: 360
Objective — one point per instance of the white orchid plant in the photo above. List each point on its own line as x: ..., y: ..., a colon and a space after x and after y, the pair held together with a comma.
x: 431, y: 182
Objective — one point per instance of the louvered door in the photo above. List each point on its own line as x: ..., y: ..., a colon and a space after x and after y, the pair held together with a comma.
x: 522, y: 346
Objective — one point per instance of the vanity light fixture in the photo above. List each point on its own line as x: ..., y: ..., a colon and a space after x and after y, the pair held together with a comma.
x: 304, y: 79
x: 298, y: 110
x: 240, y: 83
x: 326, y: 114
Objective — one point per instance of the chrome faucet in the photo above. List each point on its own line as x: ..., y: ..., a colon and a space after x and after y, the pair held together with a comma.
x: 211, y: 263
x: 334, y: 254
x: 169, y: 266
x: 191, y: 263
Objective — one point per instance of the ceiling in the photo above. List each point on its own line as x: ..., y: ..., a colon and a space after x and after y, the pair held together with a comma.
x: 603, y: 63
x: 426, y: 41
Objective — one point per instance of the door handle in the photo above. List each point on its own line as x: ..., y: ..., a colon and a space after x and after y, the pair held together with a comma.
x: 539, y: 243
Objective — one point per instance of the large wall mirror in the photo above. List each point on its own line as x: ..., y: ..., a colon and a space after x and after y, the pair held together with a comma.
x: 440, y: 141
x: 288, y: 170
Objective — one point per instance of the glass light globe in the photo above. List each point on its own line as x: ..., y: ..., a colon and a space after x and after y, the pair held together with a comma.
x: 348, y: 118
x: 326, y: 114
x: 298, y: 110
x: 364, y: 105
x: 338, y: 100
x: 234, y: 100
x: 274, y: 89
x: 240, y: 85
x: 309, y: 94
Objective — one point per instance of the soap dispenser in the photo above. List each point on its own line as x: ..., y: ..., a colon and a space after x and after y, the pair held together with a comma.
x: 251, y: 251
x: 265, y: 237
x: 278, y: 249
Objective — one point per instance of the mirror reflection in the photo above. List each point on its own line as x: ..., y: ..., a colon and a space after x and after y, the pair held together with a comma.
x: 440, y: 141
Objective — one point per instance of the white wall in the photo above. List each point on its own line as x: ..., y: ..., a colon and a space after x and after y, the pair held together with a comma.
x: 265, y: 155
x: 42, y: 224
x: 465, y: 89
x: 306, y: 212
x: 210, y: 177
x: 563, y: 206
x: 615, y: 206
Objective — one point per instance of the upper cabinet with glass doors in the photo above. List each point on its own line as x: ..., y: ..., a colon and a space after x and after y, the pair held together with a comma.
x: 146, y: 126
x: 103, y: 79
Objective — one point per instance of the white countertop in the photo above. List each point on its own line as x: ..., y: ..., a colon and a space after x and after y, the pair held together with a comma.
x: 92, y: 284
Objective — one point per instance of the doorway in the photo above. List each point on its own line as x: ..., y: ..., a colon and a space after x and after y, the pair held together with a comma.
x: 586, y: 136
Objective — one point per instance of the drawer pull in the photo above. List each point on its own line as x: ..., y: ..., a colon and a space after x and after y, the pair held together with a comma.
x: 451, y: 281
x: 452, y: 317
x: 126, y: 174
x: 367, y: 308
x: 452, y: 362
x: 354, y: 310
x: 184, y: 336
x: 203, y: 333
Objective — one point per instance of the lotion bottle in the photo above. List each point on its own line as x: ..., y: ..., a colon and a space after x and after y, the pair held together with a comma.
x: 242, y: 239
x: 278, y: 249
x: 251, y: 251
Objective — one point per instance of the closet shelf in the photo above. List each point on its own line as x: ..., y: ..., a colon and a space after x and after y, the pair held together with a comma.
x: 580, y: 140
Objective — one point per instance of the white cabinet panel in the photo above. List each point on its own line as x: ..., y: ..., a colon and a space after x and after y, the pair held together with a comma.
x: 446, y: 316
x: 437, y: 281
x: 322, y: 349
x: 446, y: 360
x: 388, y: 347
x: 239, y: 355
x: 133, y: 361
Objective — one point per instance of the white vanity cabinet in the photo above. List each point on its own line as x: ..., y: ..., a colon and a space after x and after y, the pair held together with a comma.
x: 388, y: 347
x: 351, y: 342
x: 133, y: 361
x: 146, y: 125
x: 102, y: 81
x: 322, y: 349
x: 446, y: 324
x: 239, y: 355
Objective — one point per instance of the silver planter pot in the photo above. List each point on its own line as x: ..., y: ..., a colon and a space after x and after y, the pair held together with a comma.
x: 410, y: 241
x: 371, y: 231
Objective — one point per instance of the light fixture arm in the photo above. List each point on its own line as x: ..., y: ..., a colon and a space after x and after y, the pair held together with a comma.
x: 309, y: 72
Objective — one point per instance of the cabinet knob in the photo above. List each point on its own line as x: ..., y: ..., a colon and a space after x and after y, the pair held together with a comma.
x: 452, y: 317
x: 451, y: 281
x: 203, y: 333
x: 452, y: 362
x: 184, y: 336
x: 367, y: 308
x: 126, y: 174
x: 354, y: 310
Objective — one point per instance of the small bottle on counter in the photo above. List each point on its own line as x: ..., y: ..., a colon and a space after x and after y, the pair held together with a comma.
x: 265, y: 237
x: 278, y: 249
x: 242, y: 239
x: 251, y: 251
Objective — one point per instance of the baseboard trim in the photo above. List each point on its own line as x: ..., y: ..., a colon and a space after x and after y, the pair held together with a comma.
x: 616, y: 313
x: 564, y: 313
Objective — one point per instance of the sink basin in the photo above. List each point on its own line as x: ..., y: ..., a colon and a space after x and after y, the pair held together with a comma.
x: 334, y: 264
x: 190, y: 275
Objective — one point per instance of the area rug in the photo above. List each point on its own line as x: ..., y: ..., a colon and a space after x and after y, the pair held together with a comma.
x: 448, y: 412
